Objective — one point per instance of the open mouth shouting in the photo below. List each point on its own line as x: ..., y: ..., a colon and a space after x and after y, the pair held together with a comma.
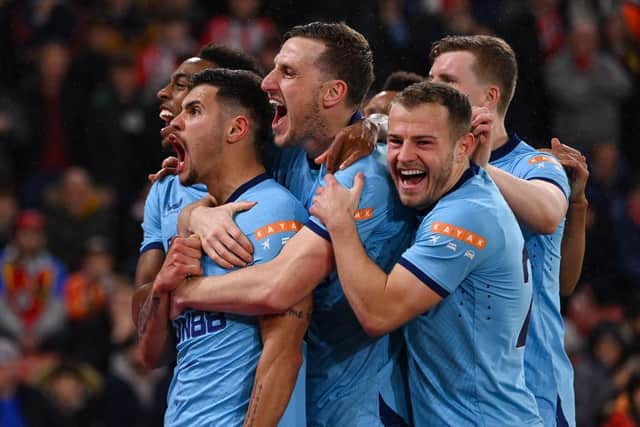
x: 166, y: 116
x: 280, y: 118
x: 410, y: 178
x: 181, y: 152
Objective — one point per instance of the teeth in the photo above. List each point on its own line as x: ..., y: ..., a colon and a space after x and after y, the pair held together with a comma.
x: 411, y: 172
x: 166, y: 115
x: 276, y: 103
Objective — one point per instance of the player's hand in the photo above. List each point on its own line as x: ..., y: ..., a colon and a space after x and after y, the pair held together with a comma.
x: 350, y: 145
x: 481, y: 125
x: 575, y: 164
x: 221, y: 238
x: 184, y: 218
x: 168, y: 167
x: 182, y: 261
x: 334, y: 204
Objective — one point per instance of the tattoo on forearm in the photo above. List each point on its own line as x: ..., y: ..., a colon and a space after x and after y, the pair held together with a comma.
x: 148, y: 311
x: 298, y: 314
x: 250, y: 419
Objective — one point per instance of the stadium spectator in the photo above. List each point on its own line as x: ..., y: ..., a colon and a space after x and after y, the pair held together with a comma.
x: 31, y: 286
x: 243, y: 28
x: 21, y: 405
x: 587, y: 88
x: 75, y: 211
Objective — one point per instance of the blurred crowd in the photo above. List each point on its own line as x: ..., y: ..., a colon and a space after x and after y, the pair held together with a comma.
x: 79, y: 133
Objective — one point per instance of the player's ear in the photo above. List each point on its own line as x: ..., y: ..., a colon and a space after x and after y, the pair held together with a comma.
x: 237, y: 129
x: 465, y: 146
x: 333, y: 92
x: 492, y: 97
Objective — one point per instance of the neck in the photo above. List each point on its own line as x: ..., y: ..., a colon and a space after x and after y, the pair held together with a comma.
x: 456, y: 174
x: 499, y: 135
x: 226, y: 179
x: 334, y: 123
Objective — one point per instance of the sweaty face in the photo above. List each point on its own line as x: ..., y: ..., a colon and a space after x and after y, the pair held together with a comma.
x: 197, y: 134
x: 420, y: 153
x: 293, y: 87
x: 455, y: 69
x: 171, y: 96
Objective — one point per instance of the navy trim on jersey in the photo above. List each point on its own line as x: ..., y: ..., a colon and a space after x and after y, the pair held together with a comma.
x: 356, y: 117
x: 561, y: 420
x: 549, y: 180
x: 247, y: 185
x: 389, y: 417
x: 502, y: 151
x: 312, y: 164
x: 468, y: 174
x: 423, y: 277
x: 318, y: 230
x: 152, y: 245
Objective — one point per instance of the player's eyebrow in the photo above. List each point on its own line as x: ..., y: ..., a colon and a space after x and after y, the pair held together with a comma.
x: 195, y: 102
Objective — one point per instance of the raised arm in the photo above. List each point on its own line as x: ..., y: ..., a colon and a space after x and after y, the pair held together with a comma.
x: 267, y: 288
x: 573, y: 239
x: 381, y: 302
x: 279, y: 363
x: 539, y: 204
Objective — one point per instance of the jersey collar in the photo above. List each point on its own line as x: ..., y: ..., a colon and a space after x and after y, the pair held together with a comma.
x: 471, y: 171
x: 246, y: 186
x: 502, y: 151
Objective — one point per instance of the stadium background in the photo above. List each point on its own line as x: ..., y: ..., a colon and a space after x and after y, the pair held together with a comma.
x: 79, y: 133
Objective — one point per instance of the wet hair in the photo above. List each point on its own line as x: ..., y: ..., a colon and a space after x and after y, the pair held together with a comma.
x: 399, y: 80
x: 495, y: 61
x: 241, y: 89
x: 347, y: 55
x: 226, y: 57
x: 456, y: 103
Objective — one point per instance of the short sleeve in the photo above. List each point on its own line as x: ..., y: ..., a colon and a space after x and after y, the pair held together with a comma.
x: 277, y: 223
x: 448, y: 246
x: 376, y: 201
x: 545, y: 167
x: 151, y: 224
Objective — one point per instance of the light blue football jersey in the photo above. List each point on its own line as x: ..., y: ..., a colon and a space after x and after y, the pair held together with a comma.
x: 218, y: 352
x: 466, y: 354
x: 164, y: 202
x: 548, y: 370
x: 353, y: 379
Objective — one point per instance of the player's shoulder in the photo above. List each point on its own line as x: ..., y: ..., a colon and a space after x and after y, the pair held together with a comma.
x: 374, y: 170
x: 274, y: 202
x: 476, y: 208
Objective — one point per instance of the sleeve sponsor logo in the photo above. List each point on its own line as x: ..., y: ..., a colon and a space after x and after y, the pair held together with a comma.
x: 362, y: 214
x: 540, y: 159
x: 277, y: 227
x: 458, y: 233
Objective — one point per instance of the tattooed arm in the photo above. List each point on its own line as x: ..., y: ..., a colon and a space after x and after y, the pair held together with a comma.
x: 279, y: 364
x: 182, y: 260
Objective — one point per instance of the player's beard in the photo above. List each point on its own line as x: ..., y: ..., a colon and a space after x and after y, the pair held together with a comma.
x: 312, y: 129
x: 439, y: 183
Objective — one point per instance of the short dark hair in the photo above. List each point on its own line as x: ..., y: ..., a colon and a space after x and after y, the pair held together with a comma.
x: 347, y: 55
x: 226, y: 57
x: 495, y: 61
x: 456, y: 103
x: 399, y: 80
x: 241, y: 88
